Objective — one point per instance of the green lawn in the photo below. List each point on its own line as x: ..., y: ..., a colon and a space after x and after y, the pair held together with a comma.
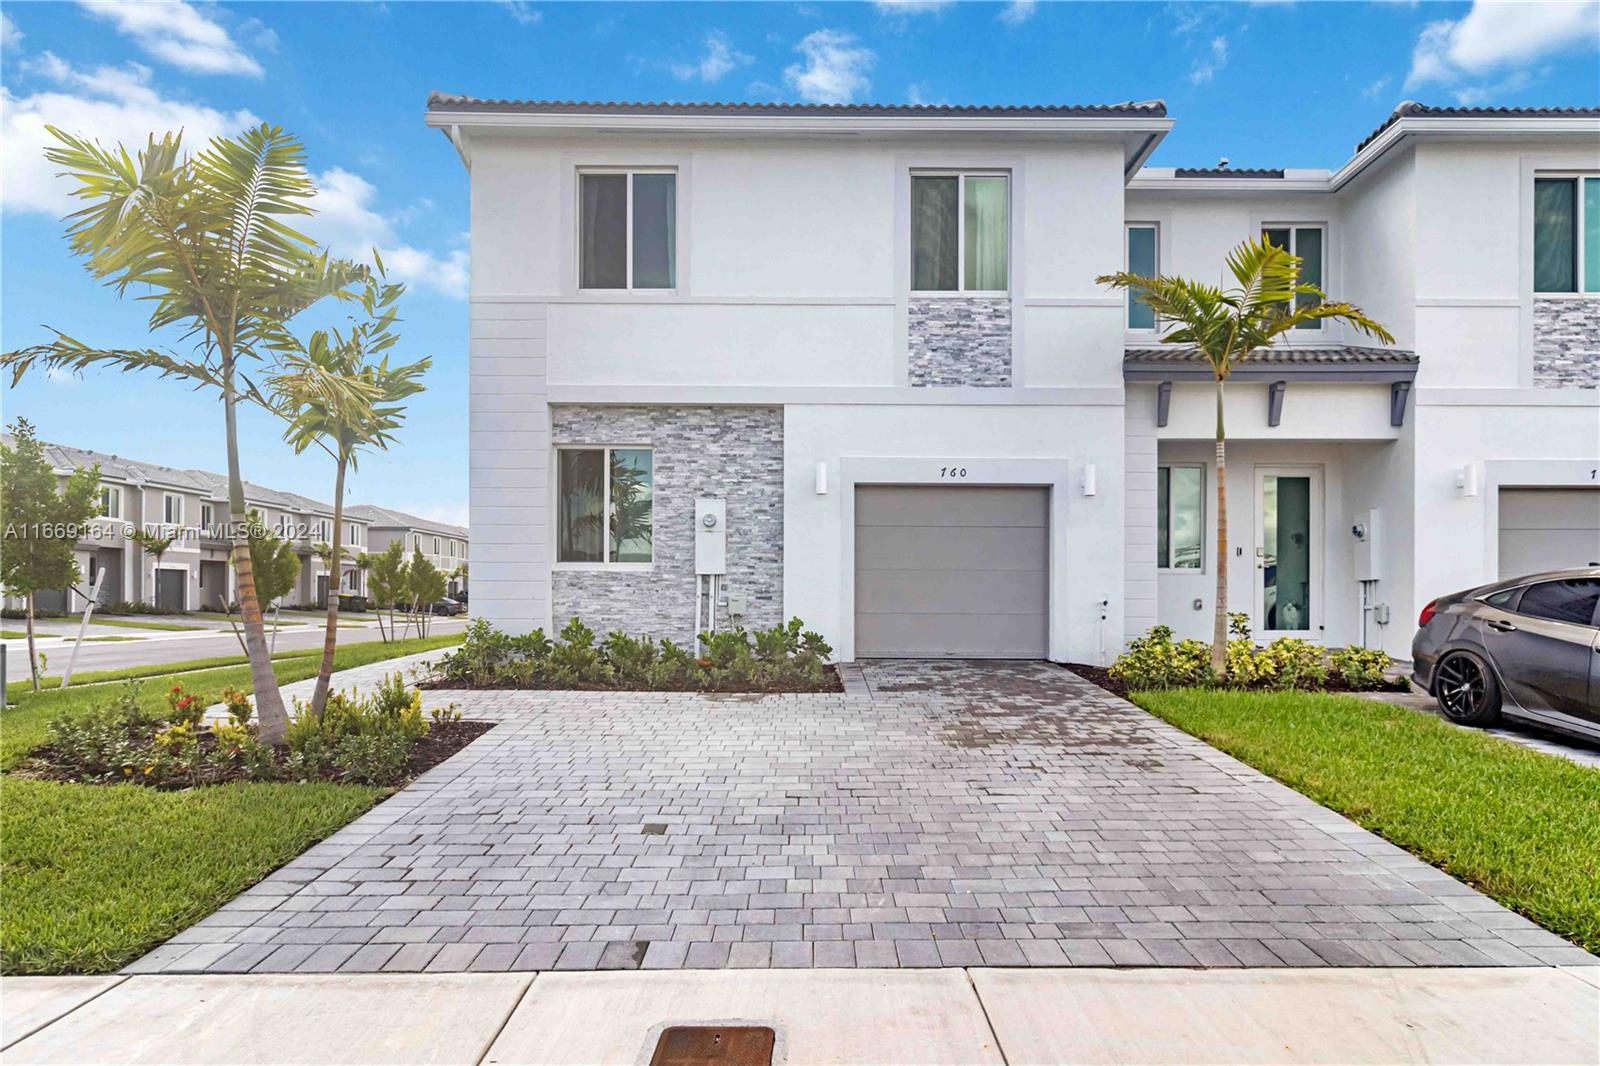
x: 22, y: 725
x: 109, y: 637
x: 1518, y: 825
x: 95, y: 876
x: 125, y: 623
x: 18, y: 634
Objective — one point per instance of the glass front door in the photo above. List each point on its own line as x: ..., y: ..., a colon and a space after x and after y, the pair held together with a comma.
x: 1288, y: 552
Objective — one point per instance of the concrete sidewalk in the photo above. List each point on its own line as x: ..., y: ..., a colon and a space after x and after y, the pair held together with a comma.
x: 1501, y: 1015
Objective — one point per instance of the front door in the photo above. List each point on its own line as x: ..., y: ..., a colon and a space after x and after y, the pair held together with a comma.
x: 169, y: 589
x: 1288, y: 578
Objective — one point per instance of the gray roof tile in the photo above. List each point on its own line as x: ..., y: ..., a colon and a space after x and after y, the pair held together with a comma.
x: 1411, y: 108
x: 1348, y: 354
x: 439, y: 101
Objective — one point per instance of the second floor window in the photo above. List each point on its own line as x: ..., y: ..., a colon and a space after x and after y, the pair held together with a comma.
x: 960, y: 232
x: 628, y: 230
x: 604, y: 505
x: 110, y: 501
x: 1142, y: 259
x: 1305, y: 242
x: 207, y: 517
x: 1566, y: 234
x: 172, y: 509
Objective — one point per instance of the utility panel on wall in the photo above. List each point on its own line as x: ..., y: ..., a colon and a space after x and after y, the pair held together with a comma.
x: 710, y: 536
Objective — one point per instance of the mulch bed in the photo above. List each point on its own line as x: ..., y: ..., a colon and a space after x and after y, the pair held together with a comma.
x: 1099, y: 675
x: 442, y: 741
x: 831, y: 683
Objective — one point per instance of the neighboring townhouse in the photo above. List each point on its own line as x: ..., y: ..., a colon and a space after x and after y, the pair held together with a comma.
x: 442, y: 544
x: 191, y: 507
x: 865, y: 344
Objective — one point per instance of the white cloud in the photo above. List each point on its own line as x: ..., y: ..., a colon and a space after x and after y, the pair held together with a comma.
x: 10, y: 36
x: 720, y: 60
x: 177, y: 33
x: 1376, y: 88
x: 1205, y: 67
x: 107, y: 104
x: 1017, y: 12
x: 522, y: 11
x: 348, y: 222
x: 903, y: 8
x: 1494, y: 36
x: 835, y: 68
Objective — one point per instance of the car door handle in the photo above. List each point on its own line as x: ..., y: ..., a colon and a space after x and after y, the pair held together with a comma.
x: 1501, y: 627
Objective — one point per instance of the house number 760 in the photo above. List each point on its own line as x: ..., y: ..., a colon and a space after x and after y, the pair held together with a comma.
x: 952, y: 471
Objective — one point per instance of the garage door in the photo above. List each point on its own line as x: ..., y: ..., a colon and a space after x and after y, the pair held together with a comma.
x: 1548, y: 529
x: 952, y: 572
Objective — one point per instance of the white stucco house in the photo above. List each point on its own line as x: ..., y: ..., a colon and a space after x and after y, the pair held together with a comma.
x: 868, y: 339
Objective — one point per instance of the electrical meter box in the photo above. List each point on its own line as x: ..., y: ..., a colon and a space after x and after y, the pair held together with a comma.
x: 710, y: 536
x: 1368, y: 559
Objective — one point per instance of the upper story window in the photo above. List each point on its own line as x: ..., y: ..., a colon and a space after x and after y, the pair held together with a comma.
x: 436, y: 545
x: 604, y: 505
x: 627, y: 229
x: 1306, y: 242
x: 110, y: 501
x: 352, y: 533
x: 1144, y: 259
x: 1180, y: 516
x: 1566, y: 233
x: 960, y: 232
x: 172, y: 509
x: 207, y: 516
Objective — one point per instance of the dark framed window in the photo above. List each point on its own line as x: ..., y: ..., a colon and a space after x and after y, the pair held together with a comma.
x: 1306, y: 242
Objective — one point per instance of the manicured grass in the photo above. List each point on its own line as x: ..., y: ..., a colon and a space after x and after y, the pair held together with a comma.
x: 1518, y: 825
x: 171, y: 627
x: 108, y: 637
x: 19, y: 634
x: 94, y: 876
x: 22, y: 725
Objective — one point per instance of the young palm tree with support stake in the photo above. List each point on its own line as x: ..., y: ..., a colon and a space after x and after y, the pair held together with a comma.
x: 204, y: 239
x: 1226, y: 326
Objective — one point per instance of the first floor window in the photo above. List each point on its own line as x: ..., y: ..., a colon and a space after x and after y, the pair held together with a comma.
x: 628, y: 230
x: 1141, y: 261
x: 1180, y: 512
x: 960, y: 232
x: 110, y: 501
x: 604, y: 505
x: 1305, y: 242
x: 1566, y: 234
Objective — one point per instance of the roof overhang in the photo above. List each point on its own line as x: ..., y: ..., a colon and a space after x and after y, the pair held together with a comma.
x: 1139, y: 134
x: 1328, y: 374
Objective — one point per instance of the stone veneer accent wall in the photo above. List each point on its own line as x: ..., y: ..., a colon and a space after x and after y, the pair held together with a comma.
x: 959, y: 340
x: 735, y: 453
x: 1566, y: 344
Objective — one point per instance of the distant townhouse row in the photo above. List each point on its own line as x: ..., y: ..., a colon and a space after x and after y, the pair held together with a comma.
x: 191, y: 507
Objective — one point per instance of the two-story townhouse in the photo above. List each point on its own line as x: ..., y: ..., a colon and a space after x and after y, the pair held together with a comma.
x: 443, y: 544
x: 191, y: 508
x: 865, y: 344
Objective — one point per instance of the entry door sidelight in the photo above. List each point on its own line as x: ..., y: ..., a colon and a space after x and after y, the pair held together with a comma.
x: 1288, y: 594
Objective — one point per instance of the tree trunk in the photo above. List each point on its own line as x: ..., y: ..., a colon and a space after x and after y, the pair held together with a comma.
x: 33, y: 653
x: 1219, y: 635
x: 272, y: 718
x: 319, y: 697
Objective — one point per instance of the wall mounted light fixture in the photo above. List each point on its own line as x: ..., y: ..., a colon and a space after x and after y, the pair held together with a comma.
x: 1467, y: 480
x: 822, y: 479
x: 1088, y: 479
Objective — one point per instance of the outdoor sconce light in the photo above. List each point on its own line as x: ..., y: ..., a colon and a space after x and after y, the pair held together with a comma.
x: 822, y: 479
x: 1088, y: 479
x: 1467, y: 481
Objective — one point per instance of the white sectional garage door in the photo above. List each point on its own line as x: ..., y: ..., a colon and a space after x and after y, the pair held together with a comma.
x: 947, y: 572
x: 1548, y: 529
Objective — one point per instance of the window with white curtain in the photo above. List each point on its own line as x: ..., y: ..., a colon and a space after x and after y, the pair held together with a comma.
x: 627, y: 229
x: 1143, y: 258
x: 1566, y: 233
x: 1180, y: 516
x: 960, y: 232
x: 1307, y: 242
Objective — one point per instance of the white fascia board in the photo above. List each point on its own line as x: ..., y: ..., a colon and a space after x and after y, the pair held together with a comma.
x: 1232, y: 185
x: 1487, y: 127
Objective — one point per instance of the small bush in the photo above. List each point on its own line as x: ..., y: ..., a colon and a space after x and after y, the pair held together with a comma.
x: 1156, y: 661
x: 237, y: 705
x: 185, y: 706
x: 1361, y: 668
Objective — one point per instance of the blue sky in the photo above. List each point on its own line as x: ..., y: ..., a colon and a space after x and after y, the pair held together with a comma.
x: 1262, y: 83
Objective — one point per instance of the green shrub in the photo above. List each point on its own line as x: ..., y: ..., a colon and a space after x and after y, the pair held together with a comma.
x: 1156, y: 661
x: 1361, y: 668
x: 1292, y: 663
x: 184, y: 706
x: 575, y: 662
x: 632, y: 660
x: 372, y: 758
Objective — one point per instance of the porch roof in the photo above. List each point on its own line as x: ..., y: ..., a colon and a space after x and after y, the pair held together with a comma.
x: 1346, y: 363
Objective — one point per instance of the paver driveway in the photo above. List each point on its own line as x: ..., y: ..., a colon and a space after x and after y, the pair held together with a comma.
x: 960, y: 814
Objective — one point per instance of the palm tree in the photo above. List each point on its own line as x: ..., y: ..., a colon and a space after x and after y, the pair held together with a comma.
x: 1227, y: 326
x: 204, y: 239
x: 336, y: 398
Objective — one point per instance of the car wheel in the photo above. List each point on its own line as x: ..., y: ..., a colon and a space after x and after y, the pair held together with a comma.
x: 1467, y: 690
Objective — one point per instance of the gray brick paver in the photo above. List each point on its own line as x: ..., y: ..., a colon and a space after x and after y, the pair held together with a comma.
x: 961, y: 814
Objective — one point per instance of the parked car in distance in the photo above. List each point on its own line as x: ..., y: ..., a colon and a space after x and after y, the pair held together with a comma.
x: 1527, y: 648
x: 447, y: 606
